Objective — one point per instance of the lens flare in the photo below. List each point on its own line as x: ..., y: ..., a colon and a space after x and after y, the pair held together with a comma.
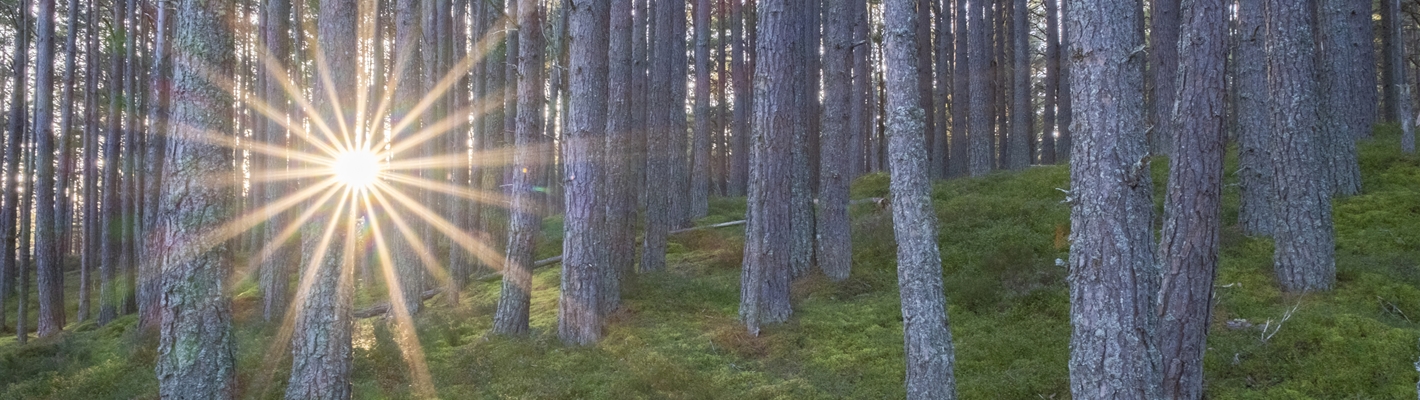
x: 357, y: 169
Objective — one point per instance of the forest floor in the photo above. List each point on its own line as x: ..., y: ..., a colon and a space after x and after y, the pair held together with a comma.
x: 678, y: 337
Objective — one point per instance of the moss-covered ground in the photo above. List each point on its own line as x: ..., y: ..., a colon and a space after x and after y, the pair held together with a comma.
x: 677, y: 336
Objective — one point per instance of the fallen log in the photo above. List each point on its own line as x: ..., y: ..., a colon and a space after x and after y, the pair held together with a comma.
x: 382, y: 308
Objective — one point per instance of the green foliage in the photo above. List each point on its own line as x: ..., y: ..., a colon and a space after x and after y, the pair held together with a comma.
x: 678, y: 335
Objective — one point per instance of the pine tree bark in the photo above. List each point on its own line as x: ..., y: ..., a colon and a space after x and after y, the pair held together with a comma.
x: 764, y: 281
x: 801, y: 206
x: 961, y: 91
x: 621, y: 137
x: 9, y: 267
x: 1339, y: 96
x: 196, y: 351
x: 1163, y: 70
x: 1114, y: 281
x: 579, y: 311
x: 63, y: 203
x: 514, y: 300
x: 1305, y: 248
x: 1359, y: 14
x: 1052, y: 83
x: 89, y: 257
x: 276, y: 268
x: 22, y: 317
x: 1064, y: 109
x: 981, y: 120
x: 409, y: 30
x: 835, y: 247
x: 740, y: 75
x: 661, y: 126
x: 156, y: 109
x: 927, y: 333
x: 944, y: 49
x: 1189, y: 245
x: 924, y: 60
x: 321, y: 349
x: 1255, y: 215
x: 1392, y: 62
x: 699, y: 195
x: 1021, y: 110
x: 50, y: 277
x: 110, y: 288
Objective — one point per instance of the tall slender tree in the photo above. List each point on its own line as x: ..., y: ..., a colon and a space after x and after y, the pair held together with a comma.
x: 46, y: 252
x: 111, y: 289
x: 9, y: 268
x: 276, y: 268
x: 150, y: 288
x: 579, y: 312
x: 321, y: 351
x: 1052, y: 82
x: 1338, y: 75
x: 1305, y: 252
x: 89, y: 257
x: 961, y: 90
x: 410, y: 71
x: 700, y: 145
x: 981, y: 120
x: 1064, y: 107
x: 927, y: 334
x: 196, y: 350
x: 514, y: 300
x: 1022, y: 112
x: 1114, y: 282
x: 1255, y: 215
x: 764, y: 282
x: 1188, y: 251
x: 661, y: 149
x: 834, y: 243
x: 63, y: 203
x: 621, y: 138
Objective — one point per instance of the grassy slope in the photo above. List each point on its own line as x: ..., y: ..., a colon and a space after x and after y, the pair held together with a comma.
x: 678, y: 338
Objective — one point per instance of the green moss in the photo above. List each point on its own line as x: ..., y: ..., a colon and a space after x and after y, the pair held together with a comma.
x: 678, y: 334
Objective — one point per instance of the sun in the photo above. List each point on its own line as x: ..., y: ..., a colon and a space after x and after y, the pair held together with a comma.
x: 357, y: 169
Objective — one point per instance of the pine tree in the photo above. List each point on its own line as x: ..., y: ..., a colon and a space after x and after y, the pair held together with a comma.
x: 584, y: 263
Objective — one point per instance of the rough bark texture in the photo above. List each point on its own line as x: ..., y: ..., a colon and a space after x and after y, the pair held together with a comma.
x: 805, y: 105
x: 9, y: 269
x: 621, y: 137
x: 740, y: 78
x: 196, y: 351
x: 89, y: 257
x: 46, y: 254
x: 110, y: 289
x: 1304, y: 256
x: 1392, y: 62
x: 835, y: 247
x: 944, y: 50
x: 1339, y: 80
x: 409, y: 70
x: 321, y: 349
x: 1163, y: 71
x: 1022, y: 113
x: 276, y: 268
x: 584, y: 263
x: 157, y: 109
x: 764, y: 280
x: 860, y: 118
x: 980, y: 120
x: 700, y: 145
x: 923, y: 41
x: 961, y: 91
x: 671, y: 29
x: 1114, y: 282
x: 1359, y: 18
x: 660, y: 126
x: 1255, y: 215
x: 927, y: 335
x: 525, y: 221
x: 1188, y: 250
x: 63, y: 201
x: 1052, y: 82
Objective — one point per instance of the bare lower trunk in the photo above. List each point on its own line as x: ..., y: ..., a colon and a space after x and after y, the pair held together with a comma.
x: 9, y: 226
x: 1113, y: 278
x: 1188, y: 249
x: 981, y: 119
x: 47, y: 266
x: 276, y: 268
x: 584, y: 263
x: 1255, y: 215
x: 834, y: 242
x: 525, y: 221
x: 621, y: 136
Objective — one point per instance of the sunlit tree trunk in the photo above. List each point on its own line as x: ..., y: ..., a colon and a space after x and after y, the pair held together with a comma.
x: 321, y: 348
x: 196, y: 352
x: 63, y: 203
x: 926, y: 333
x: 24, y: 259
x: 276, y: 268
x: 409, y: 68
x: 50, y: 278
x: 579, y: 312
x: 150, y: 289
x: 1064, y: 100
x: 1305, y: 248
x: 525, y: 210
x: 1188, y: 251
x: 1114, y: 281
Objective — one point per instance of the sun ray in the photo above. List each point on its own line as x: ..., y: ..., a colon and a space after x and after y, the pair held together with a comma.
x: 298, y: 96
x: 323, y: 73
x: 450, y: 122
x: 406, y: 339
x: 481, y: 196
x: 280, y: 239
x: 281, y: 342
x: 421, y: 249
x: 253, y: 218
x: 479, y: 250
x: 258, y: 147
x: 451, y: 77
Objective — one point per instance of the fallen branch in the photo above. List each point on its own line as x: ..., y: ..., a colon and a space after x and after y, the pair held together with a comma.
x: 539, y: 264
x: 719, y: 225
x: 382, y: 308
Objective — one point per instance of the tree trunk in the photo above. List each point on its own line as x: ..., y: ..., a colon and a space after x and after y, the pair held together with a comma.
x: 1052, y: 83
x: 801, y: 196
x: 1064, y: 110
x: 700, y: 147
x: 1163, y: 70
x: 740, y: 75
x: 981, y: 120
x: 1359, y: 14
x: 1304, y: 255
x: 661, y: 173
x: 46, y: 253
x: 924, y: 59
x: 150, y: 290
x: 89, y: 259
x: 1255, y: 215
x: 1113, y: 279
x: 621, y: 136
x: 26, y: 266
x: 674, y: 32
x: 961, y: 90
x: 1339, y: 96
x: 1392, y: 62
x: 9, y: 268
x: 1189, y: 246
x: 860, y: 111
x: 1021, y: 109
x: 764, y: 282
x: 940, y: 146
x: 412, y: 87
x: 927, y: 334
x: 514, y: 300
x: 63, y: 203
x: 196, y: 352
x: 110, y: 290
x: 321, y: 349
x: 128, y: 161
x: 579, y: 311
x: 276, y: 267
x: 835, y: 247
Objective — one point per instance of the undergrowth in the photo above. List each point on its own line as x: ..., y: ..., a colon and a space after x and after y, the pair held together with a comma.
x: 1001, y: 236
